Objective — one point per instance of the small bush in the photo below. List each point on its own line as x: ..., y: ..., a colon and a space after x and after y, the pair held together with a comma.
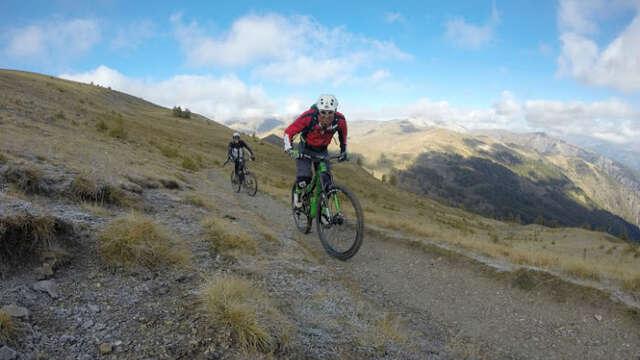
x: 8, y: 329
x: 199, y: 202
x: 234, y: 303
x: 224, y: 236
x: 168, y: 151
x: 3, y: 158
x: 388, y: 330
x: 60, y: 115
x: 189, y: 164
x: 178, y: 112
x: 25, y: 236
x: 119, y: 131
x: 135, y: 240
x: 101, y: 126
x: 27, y: 179
x: 84, y: 189
x: 632, y: 284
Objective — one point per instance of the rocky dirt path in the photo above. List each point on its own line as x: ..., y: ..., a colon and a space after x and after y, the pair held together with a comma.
x: 474, y: 311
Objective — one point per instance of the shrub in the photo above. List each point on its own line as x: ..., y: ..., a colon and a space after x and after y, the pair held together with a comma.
x: 168, y: 151
x: 85, y: 189
x: 223, y: 236
x: 27, y: 179
x: 388, y: 330
x: 3, y: 158
x: 178, y: 112
x: 8, y: 328
x: 25, y: 236
x: 135, y: 240
x: 233, y: 303
x: 101, y: 125
x: 199, y: 202
x: 189, y: 164
x: 118, y: 131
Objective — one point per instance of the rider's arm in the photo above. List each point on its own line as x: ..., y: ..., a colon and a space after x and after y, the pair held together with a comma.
x: 244, y: 145
x: 342, y: 133
x: 229, y: 151
x: 297, y: 126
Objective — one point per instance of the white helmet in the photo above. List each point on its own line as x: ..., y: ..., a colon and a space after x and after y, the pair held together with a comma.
x: 236, y: 135
x: 327, y: 102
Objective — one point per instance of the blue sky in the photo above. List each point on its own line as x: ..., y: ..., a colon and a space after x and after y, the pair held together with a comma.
x: 567, y: 67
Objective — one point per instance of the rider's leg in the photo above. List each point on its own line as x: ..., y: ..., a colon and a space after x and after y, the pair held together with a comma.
x: 303, y: 178
x: 239, y: 170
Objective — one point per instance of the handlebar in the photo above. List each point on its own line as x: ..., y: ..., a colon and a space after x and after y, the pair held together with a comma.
x: 318, y: 157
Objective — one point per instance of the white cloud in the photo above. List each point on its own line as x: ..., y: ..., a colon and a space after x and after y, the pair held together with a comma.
x: 393, y: 17
x: 577, y: 15
x: 471, y: 36
x: 221, y: 99
x: 53, y: 39
x: 617, y: 64
x: 610, y: 120
x: 132, y: 35
x: 294, y: 50
x: 379, y: 75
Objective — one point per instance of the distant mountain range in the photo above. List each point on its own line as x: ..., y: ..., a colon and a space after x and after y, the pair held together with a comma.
x: 530, y: 177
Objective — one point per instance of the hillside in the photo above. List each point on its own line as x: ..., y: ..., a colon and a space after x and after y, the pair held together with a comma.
x: 600, y: 184
x: 533, y: 176
x: 121, y: 238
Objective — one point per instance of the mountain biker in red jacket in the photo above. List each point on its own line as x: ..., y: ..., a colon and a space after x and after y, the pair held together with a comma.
x: 317, y: 127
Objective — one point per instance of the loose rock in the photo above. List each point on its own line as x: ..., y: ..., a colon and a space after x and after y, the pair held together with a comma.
x: 48, y: 286
x: 15, y: 311
x: 7, y: 353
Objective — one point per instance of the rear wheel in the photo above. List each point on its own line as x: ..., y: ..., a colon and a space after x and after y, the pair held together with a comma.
x: 235, y: 182
x: 301, y: 215
x: 340, y: 222
x: 250, y: 184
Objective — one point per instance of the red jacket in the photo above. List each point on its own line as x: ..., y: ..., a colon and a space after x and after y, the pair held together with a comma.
x: 315, y: 135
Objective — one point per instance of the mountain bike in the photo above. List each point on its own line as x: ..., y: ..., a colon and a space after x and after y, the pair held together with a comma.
x: 243, y: 178
x: 338, y: 214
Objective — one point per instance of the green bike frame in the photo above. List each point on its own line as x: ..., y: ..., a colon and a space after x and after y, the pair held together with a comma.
x: 315, y: 188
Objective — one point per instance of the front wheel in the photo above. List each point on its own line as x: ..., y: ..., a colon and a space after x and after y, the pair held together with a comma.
x: 251, y: 184
x: 235, y: 181
x: 340, y: 222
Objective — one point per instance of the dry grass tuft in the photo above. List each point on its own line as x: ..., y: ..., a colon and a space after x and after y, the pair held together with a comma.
x: 632, y: 284
x: 199, y: 201
x: 189, y: 164
x: 226, y: 236
x: 28, y: 179
x: 136, y: 240
x: 232, y: 302
x: 389, y: 329
x: 85, y: 189
x: 25, y: 236
x: 3, y: 158
x: 8, y: 329
x: 581, y: 269
x: 462, y: 348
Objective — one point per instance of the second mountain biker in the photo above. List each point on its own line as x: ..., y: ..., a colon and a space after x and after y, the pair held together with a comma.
x: 236, y: 153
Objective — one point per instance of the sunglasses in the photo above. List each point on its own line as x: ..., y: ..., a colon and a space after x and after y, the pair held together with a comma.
x: 326, y: 112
